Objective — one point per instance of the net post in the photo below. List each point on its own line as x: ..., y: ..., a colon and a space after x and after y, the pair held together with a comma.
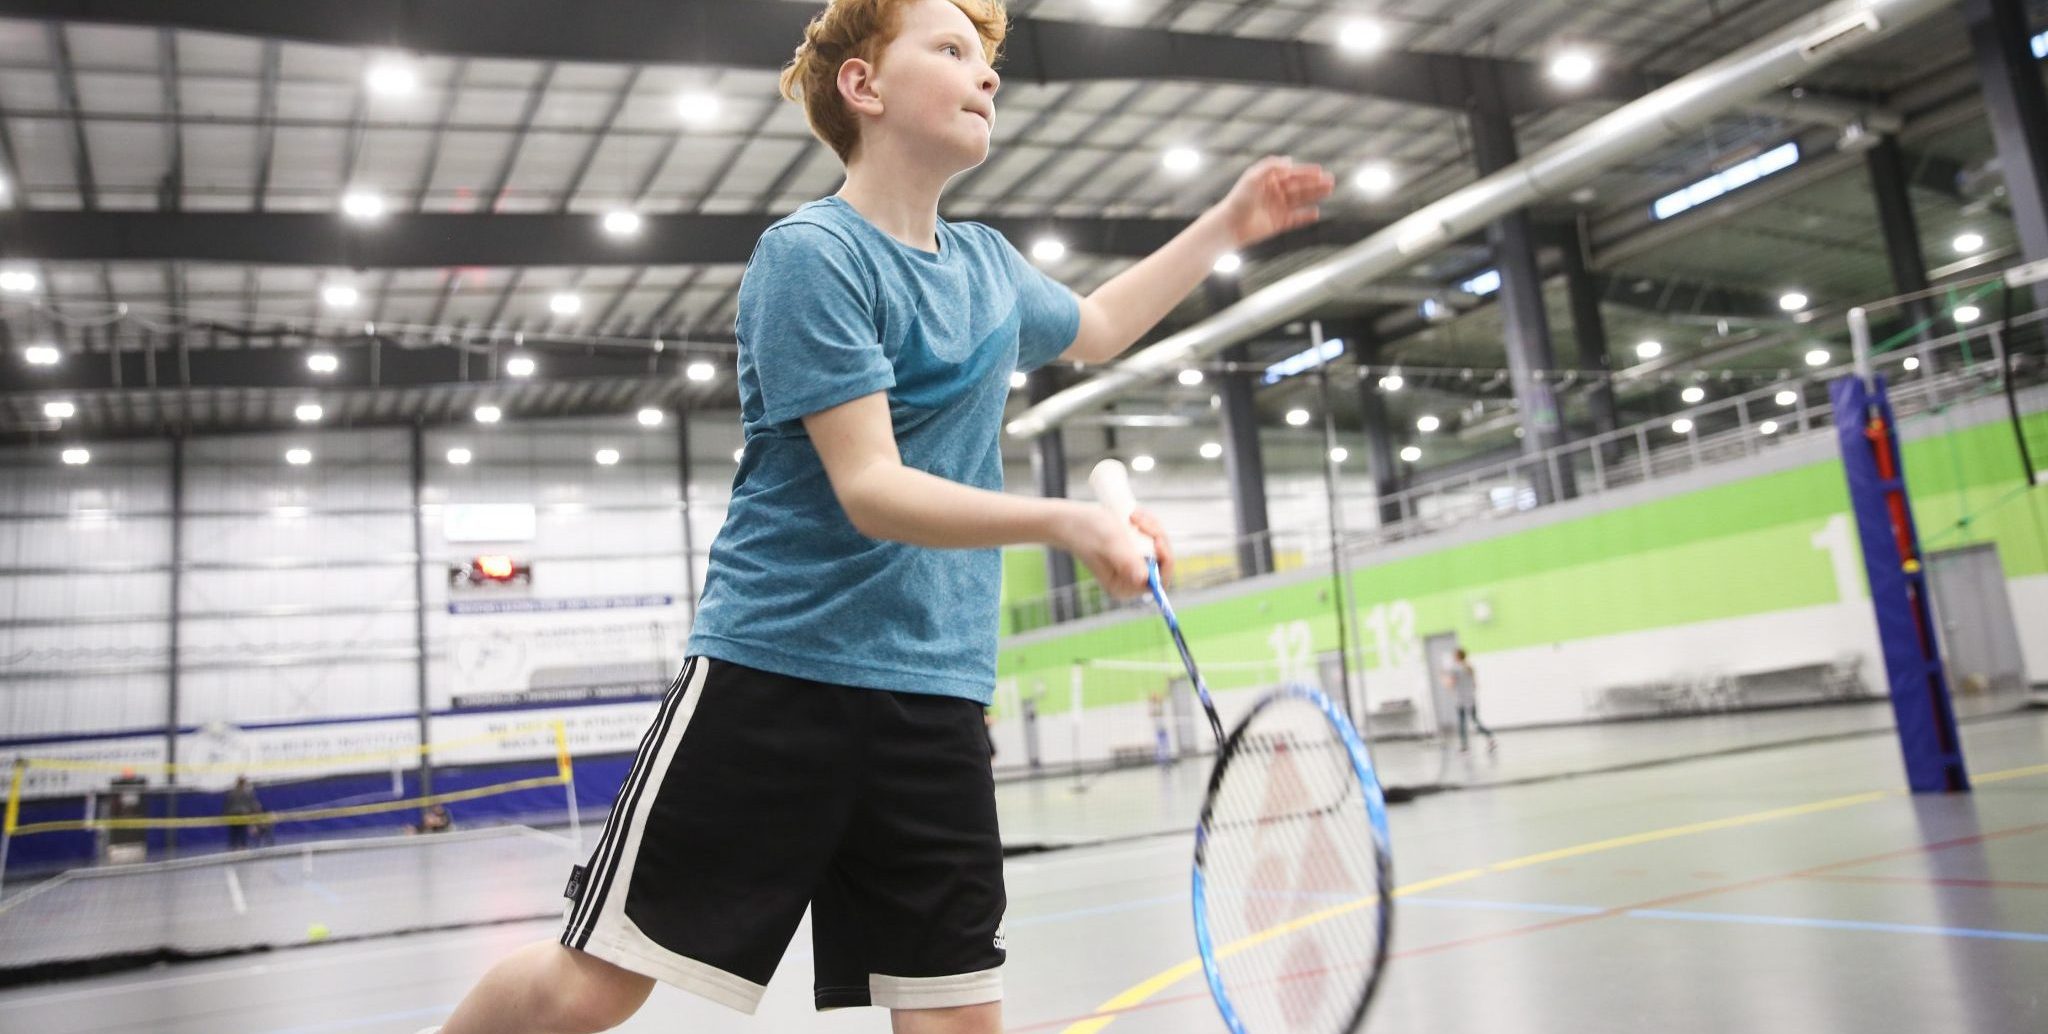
x: 566, y: 771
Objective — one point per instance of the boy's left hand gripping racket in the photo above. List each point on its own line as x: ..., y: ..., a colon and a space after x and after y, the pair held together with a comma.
x: 1293, y: 873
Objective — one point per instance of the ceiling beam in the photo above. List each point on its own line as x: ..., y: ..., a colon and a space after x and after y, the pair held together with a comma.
x: 748, y: 34
x: 434, y: 239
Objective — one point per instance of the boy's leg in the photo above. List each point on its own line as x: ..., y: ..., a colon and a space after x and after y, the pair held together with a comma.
x: 967, y: 1019
x: 545, y: 988
x: 1464, y: 741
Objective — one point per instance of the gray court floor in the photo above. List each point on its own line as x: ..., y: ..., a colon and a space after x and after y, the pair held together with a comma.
x: 1789, y: 889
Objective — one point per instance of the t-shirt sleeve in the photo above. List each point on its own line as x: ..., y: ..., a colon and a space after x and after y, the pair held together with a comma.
x: 807, y: 313
x: 1049, y: 313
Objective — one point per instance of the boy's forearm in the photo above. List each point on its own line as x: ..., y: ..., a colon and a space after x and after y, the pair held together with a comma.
x: 903, y: 504
x: 1119, y: 312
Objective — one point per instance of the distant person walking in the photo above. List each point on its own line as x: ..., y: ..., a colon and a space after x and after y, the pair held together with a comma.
x: 1464, y: 687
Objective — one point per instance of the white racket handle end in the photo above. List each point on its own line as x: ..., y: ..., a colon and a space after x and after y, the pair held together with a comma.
x: 1111, y: 484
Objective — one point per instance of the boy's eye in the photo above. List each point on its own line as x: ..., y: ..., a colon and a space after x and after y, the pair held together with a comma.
x: 952, y: 49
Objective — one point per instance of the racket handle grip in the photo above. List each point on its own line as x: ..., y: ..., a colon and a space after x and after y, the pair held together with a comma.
x: 1111, y: 484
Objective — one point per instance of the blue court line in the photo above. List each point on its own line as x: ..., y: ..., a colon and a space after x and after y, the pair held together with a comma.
x: 1859, y: 925
x: 1099, y: 910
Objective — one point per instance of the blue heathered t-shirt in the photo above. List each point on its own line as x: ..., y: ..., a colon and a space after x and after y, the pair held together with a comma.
x: 832, y: 309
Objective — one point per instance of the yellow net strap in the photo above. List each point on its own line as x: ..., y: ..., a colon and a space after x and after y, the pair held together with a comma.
x: 407, y: 753
x: 299, y: 815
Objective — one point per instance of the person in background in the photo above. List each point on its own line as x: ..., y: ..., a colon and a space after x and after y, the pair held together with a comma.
x: 434, y: 819
x: 1464, y: 687
x: 241, y: 800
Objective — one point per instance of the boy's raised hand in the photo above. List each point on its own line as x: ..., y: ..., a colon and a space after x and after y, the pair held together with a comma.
x: 1274, y: 196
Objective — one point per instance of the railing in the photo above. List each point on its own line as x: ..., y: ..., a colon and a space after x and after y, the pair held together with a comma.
x: 1924, y: 376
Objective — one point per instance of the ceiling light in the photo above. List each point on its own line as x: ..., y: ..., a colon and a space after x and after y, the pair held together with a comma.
x: 697, y: 109
x: 489, y: 414
x: 1018, y: 379
x: 17, y: 281
x: 1573, y: 67
x: 1968, y: 242
x: 1412, y: 454
x: 607, y: 457
x: 1181, y: 159
x: 622, y: 223
x: 1649, y: 349
x: 1339, y: 454
x: 1912, y: 363
x: 1693, y: 395
x: 1788, y: 397
x: 1211, y: 450
x: 1681, y: 426
x: 391, y: 78
x: 1793, y: 301
x: 1768, y: 427
x: 1190, y: 377
x: 59, y: 410
x: 651, y: 417
x: 1374, y: 180
x: 339, y: 296
x: 1227, y: 263
x: 459, y: 456
x: 1427, y: 423
x: 1818, y: 357
x: 1361, y: 35
x: 77, y: 457
x: 322, y: 362
x: 1141, y: 464
x: 519, y: 366
x: 739, y: 454
x: 309, y: 412
x: 1392, y: 382
x: 1048, y: 249
x: 700, y: 372
x: 565, y: 303
x: 1968, y: 314
x: 298, y: 457
x: 41, y: 355
x: 362, y: 204
x: 1297, y: 417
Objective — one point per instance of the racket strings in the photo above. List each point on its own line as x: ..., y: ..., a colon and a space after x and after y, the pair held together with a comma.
x: 1294, y: 876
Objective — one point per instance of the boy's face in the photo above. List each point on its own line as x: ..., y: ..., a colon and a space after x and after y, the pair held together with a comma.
x: 936, y: 86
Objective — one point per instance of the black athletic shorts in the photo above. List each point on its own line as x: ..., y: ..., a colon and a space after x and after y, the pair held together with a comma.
x: 755, y: 795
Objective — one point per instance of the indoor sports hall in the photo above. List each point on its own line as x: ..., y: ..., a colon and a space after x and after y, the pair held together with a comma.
x: 1630, y: 465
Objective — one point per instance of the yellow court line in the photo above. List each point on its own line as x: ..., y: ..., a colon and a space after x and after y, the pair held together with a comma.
x: 1108, y: 1012
x: 302, y: 815
x: 2010, y: 773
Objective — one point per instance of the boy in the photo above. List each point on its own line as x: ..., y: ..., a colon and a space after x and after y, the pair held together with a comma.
x: 823, y: 745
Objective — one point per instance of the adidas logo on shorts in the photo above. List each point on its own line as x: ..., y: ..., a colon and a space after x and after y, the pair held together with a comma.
x: 1002, y: 937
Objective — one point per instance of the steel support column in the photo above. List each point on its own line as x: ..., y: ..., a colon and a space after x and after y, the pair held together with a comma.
x: 1888, y: 182
x: 1524, y: 318
x: 2017, y: 107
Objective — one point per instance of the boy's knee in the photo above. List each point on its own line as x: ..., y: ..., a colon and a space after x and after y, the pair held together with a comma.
x: 594, y: 995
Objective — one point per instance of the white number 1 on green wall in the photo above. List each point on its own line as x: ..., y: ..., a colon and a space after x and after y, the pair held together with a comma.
x: 1291, y: 645
x: 1393, y: 632
x: 1843, y: 553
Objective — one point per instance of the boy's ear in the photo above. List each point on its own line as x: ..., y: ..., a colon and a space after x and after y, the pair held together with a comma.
x: 857, y: 87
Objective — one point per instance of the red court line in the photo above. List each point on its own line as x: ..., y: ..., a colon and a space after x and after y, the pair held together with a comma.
x: 1934, y: 881
x: 1816, y: 872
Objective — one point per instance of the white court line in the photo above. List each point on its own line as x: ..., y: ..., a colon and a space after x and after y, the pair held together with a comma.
x: 318, y: 960
x: 235, y: 891
x: 431, y: 942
